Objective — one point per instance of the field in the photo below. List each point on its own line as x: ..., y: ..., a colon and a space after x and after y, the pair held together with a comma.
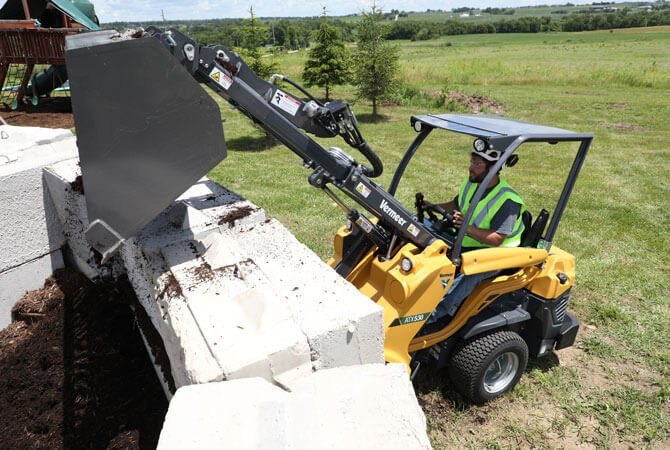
x: 613, y: 388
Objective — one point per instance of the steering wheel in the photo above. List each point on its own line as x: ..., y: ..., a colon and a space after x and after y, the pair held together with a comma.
x: 443, y: 225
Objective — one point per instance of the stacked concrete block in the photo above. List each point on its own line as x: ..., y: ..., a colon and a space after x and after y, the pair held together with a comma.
x: 370, y: 406
x: 31, y: 241
x: 232, y: 294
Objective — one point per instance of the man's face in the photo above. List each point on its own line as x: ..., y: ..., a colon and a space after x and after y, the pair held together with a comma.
x: 478, y: 169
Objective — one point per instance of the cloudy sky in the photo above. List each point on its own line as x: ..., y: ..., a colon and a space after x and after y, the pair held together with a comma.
x: 139, y: 10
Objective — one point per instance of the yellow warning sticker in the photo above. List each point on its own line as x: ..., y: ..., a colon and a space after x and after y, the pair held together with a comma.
x: 221, y: 78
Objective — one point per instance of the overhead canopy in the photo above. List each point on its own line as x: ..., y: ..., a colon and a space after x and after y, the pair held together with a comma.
x: 487, y: 126
x: 80, y: 11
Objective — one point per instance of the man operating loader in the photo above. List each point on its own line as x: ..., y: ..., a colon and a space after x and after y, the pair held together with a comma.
x: 496, y: 222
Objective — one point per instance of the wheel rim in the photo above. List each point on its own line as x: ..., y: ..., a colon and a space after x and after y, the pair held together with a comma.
x: 500, y: 373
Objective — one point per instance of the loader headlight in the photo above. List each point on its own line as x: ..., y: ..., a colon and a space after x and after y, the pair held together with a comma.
x: 479, y: 145
x: 418, y: 126
x: 406, y: 264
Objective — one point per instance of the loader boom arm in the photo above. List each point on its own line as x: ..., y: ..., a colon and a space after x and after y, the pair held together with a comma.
x: 286, y: 118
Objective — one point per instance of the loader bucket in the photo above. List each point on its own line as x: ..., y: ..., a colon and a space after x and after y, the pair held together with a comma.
x: 146, y: 131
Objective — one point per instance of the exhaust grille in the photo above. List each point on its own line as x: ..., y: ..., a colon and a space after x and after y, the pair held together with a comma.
x: 561, y: 308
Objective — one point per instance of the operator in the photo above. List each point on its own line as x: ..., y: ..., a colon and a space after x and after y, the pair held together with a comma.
x: 496, y: 222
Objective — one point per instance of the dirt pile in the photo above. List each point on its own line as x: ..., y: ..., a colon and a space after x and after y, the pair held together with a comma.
x: 75, y: 373
x: 476, y: 103
x: 49, y: 113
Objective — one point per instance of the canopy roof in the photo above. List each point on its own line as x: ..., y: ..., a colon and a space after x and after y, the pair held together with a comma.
x: 81, y: 11
x: 489, y: 126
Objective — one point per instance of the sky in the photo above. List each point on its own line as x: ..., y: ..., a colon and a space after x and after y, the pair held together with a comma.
x: 146, y: 10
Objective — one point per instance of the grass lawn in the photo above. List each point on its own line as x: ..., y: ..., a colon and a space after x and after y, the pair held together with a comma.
x: 613, y: 388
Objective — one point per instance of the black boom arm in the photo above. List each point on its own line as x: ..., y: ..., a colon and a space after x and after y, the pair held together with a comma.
x: 284, y: 116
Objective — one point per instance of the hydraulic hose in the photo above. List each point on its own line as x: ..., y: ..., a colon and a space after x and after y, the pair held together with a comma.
x: 373, y: 159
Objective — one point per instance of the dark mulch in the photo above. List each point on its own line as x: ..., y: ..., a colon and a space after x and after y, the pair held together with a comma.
x: 74, y: 372
x: 49, y: 113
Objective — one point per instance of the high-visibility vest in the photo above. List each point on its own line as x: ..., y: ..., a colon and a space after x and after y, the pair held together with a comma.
x: 487, y: 208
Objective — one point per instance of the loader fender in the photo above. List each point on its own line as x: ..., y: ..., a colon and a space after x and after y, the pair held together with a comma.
x: 501, y: 320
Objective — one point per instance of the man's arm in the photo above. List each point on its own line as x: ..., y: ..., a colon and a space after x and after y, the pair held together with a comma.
x: 449, y: 206
x: 502, y: 225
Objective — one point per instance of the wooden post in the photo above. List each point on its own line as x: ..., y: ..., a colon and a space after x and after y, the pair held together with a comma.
x: 26, y: 10
x: 4, y: 68
x: 24, y: 83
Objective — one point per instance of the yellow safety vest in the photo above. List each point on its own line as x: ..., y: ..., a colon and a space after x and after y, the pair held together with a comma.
x: 487, y: 208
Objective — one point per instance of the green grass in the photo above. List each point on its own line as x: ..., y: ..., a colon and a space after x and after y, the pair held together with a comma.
x: 612, y: 389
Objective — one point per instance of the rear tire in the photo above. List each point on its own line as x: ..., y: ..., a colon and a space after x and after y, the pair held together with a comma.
x: 487, y: 366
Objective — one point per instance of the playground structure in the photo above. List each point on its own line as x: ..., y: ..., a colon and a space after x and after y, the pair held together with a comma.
x: 32, y: 35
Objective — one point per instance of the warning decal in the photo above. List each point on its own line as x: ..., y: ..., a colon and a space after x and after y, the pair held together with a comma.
x: 363, y: 190
x: 285, y: 102
x: 221, y: 78
x: 414, y: 231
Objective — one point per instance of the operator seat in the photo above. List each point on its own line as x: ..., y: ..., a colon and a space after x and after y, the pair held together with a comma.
x: 531, y: 234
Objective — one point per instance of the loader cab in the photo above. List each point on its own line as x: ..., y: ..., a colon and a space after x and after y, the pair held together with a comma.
x: 521, y: 311
x: 508, y: 136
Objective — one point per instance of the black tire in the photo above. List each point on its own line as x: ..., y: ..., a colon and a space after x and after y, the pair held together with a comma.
x: 503, y: 353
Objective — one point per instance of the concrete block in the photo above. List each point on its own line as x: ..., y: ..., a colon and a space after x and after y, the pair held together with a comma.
x: 15, y: 282
x: 70, y: 205
x: 368, y: 406
x: 234, y: 295
x: 343, y: 326
x: 14, y: 140
x: 240, y: 414
x: 28, y: 220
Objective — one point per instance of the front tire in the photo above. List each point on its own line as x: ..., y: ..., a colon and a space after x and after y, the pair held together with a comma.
x: 487, y: 366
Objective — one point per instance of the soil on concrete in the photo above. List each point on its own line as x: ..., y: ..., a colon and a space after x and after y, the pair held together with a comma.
x: 49, y: 113
x: 239, y: 213
x: 78, y: 185
x: 75, y: 372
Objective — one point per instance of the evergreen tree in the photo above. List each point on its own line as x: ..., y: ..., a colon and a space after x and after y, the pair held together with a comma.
x: 376, y: 60
x: 327, y: 64
x: 254, y: 37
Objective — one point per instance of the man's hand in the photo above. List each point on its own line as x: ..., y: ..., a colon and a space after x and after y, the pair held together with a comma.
x: 458, y: 218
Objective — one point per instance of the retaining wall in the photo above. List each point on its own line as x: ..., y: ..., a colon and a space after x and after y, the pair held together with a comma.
x: 244, y: 311
x: 31, y: 236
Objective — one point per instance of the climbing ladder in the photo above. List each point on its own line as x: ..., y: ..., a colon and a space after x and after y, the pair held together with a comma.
x: 22, y: 46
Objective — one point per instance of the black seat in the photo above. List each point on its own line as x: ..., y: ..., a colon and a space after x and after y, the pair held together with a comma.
x: 531, y: 234
x: 527, y: 220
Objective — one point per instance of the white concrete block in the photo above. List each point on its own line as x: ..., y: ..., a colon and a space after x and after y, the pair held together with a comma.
x: 369, y: 406
x: 343, y: 326
x: 15, y: 140
x: 258, y: 303
x: 241, y: 414
x: 28, y: 220
x: 70, y: 206
x: 15, y: 282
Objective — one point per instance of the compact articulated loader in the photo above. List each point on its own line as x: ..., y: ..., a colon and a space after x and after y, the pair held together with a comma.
x: 147, y: 130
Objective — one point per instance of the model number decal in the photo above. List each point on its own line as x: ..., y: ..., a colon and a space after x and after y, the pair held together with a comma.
x: 409, y: 319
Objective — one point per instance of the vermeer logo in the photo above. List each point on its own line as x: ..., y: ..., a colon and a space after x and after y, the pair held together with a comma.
x: 391, y: 213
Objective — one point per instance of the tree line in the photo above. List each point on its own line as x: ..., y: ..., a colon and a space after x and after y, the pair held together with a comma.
x: 296, y: 33
x: 372, y: 66
x: 422, y: 30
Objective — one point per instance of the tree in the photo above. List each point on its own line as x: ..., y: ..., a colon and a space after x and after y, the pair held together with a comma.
x: 254, y: 36
x: 376, y: 60
x: 328, y: 60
